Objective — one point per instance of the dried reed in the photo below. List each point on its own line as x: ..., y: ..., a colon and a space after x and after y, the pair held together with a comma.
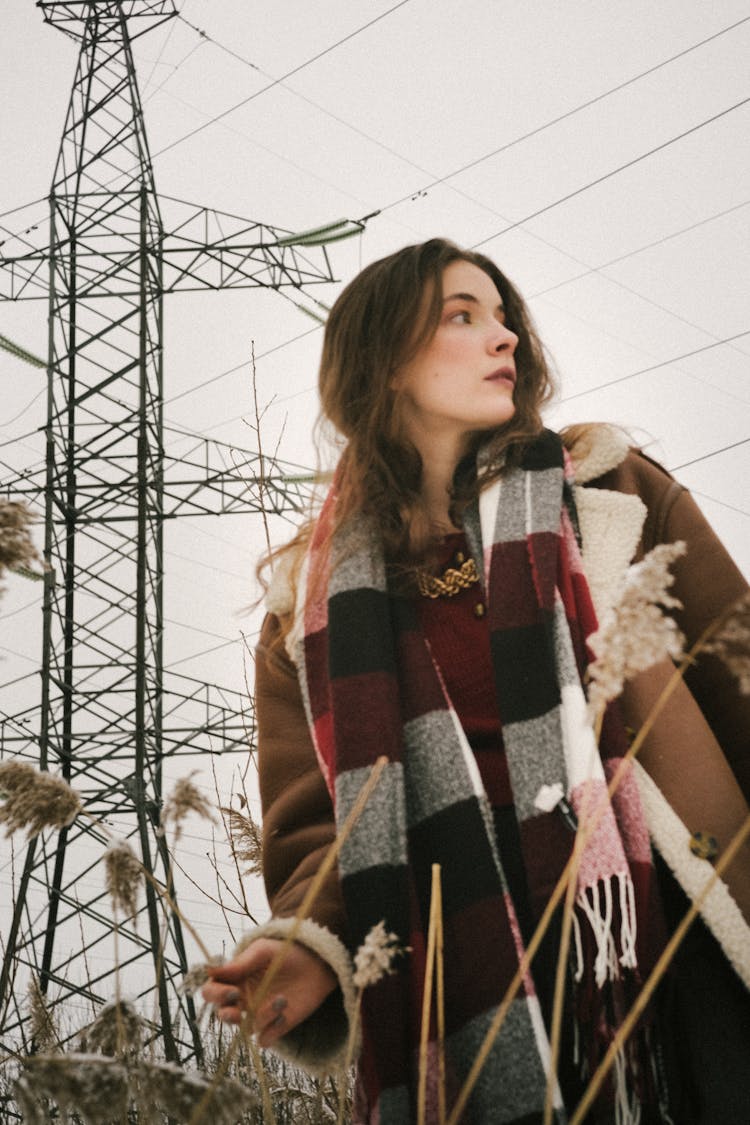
x: 636, y: 633
x: 123, y: 876
x: 372, y: 961
x: 246, y: 839
x: 43, y: 1030
x: 35, y: 800
x: 656, y: 975
x: 731, y: 643
x: 17, y: 548
x: 184, y: 799
x: 715, y: 628
x: 117, y: 1030
x: 305, y: 906
x: 434, y: 967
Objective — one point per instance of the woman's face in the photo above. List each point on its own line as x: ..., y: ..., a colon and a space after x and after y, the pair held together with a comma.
x: 462, y: 380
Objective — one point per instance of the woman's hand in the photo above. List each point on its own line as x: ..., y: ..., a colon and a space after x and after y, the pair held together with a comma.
x: 300, y: 985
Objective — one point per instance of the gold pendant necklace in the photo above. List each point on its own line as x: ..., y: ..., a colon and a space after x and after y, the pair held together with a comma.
x: 450, y: 582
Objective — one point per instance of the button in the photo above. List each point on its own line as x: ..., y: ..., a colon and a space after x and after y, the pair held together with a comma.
x: 460, y: 558
x: 479, y: 609
x: 704, y: 845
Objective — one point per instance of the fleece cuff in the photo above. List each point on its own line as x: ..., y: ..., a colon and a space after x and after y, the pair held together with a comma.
x: 720, y: 912
x: 318, y: 1044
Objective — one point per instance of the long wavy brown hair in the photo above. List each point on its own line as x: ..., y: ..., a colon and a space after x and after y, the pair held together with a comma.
x: 378, y: 323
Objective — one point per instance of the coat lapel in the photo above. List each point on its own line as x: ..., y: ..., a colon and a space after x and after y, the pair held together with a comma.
x: 611, y: 525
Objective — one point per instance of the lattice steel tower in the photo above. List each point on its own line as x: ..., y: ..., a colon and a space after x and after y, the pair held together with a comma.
x: 109, y: 714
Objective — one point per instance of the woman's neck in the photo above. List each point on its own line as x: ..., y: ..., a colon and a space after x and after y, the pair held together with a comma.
x: 438, y: 467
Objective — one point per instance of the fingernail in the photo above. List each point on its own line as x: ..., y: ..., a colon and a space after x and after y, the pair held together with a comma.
x: 279, y: 1004
x: 232, y: 997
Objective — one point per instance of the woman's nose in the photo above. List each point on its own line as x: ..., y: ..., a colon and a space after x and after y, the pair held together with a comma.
x: 502, y: 339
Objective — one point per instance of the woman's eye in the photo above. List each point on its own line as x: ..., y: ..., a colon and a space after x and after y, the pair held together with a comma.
x: 462, y: 317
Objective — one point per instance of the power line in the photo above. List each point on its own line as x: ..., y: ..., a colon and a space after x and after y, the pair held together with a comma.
x: 656, y: 366
x: 243, y: 363
x: 205, y: 36
x: 283, y: 78
x: 162, y: 49
x: 641, y: 249
x: 473, y: 163
x: 538, y: 293
x: 197, y: 629
x: 21, y: 207
x: 592, y: 101
x: 204, y: 652
x: 13, y: 612
x: 435, y: 181
x: 600, y: 97
x: 21, y: 656
x: 714, y: 453
x: 207, y: 566
x: 272, y: 151
x: 614, y: 171
x: 715, y: 499
x: 28, y: 406
x: 316, y: 105
x: 563, y: 116
x: 175, y: 68
x: 19, y: 679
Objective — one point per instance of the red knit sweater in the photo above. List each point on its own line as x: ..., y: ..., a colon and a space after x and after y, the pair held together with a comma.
x: 456, y: 629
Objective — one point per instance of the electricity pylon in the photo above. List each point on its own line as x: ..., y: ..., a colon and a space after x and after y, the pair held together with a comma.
x: 109, y: 715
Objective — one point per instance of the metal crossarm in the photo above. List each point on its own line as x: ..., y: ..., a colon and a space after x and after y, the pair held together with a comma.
x: 109, y: 714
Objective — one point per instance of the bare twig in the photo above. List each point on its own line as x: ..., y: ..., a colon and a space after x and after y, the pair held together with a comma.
x: 256, y: 428
x: 226, y: 821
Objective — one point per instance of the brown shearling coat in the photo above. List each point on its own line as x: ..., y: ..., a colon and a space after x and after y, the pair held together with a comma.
x: 698, y: 752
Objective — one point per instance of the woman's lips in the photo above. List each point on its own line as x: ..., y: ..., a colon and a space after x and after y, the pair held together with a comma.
x: 506, y: 374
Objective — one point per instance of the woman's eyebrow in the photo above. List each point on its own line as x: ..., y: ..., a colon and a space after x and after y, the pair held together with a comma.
x: 469, y: 297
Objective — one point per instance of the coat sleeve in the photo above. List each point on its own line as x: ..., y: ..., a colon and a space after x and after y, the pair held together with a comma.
x: 698, y: 751
x: 298, y: 829
x: 298, y: 819
x: 707, y: 583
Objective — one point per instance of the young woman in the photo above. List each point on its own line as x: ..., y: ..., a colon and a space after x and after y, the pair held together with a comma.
x: 436, y: 612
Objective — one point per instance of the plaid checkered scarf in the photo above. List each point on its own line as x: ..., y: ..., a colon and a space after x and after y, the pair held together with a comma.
x: 371, y: 688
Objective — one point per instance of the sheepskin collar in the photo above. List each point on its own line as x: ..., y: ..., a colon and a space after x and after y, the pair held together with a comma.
x: 594, y: 449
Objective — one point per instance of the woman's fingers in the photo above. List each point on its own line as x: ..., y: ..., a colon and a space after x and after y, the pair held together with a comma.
x: 222, y: 995
x: 228, y: 1000
x: 272, y: 1020
x: 230, y: 1015
x: 252, y: 962
x: 299, y: 986
x: 231, y: 986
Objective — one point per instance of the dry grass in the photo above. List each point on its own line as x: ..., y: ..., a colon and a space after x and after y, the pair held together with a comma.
x: 108, y: 1078
x: 35, y: 800
x: 17, y: 550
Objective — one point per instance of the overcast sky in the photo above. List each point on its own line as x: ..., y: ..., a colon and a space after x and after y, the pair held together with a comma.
x: 598, y: 151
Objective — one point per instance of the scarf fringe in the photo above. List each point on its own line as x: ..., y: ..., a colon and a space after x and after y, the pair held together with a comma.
x: 596, y: 905
x: 627, y: 1103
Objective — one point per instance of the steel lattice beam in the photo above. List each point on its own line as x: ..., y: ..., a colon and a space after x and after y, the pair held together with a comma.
x: 108, y: 714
